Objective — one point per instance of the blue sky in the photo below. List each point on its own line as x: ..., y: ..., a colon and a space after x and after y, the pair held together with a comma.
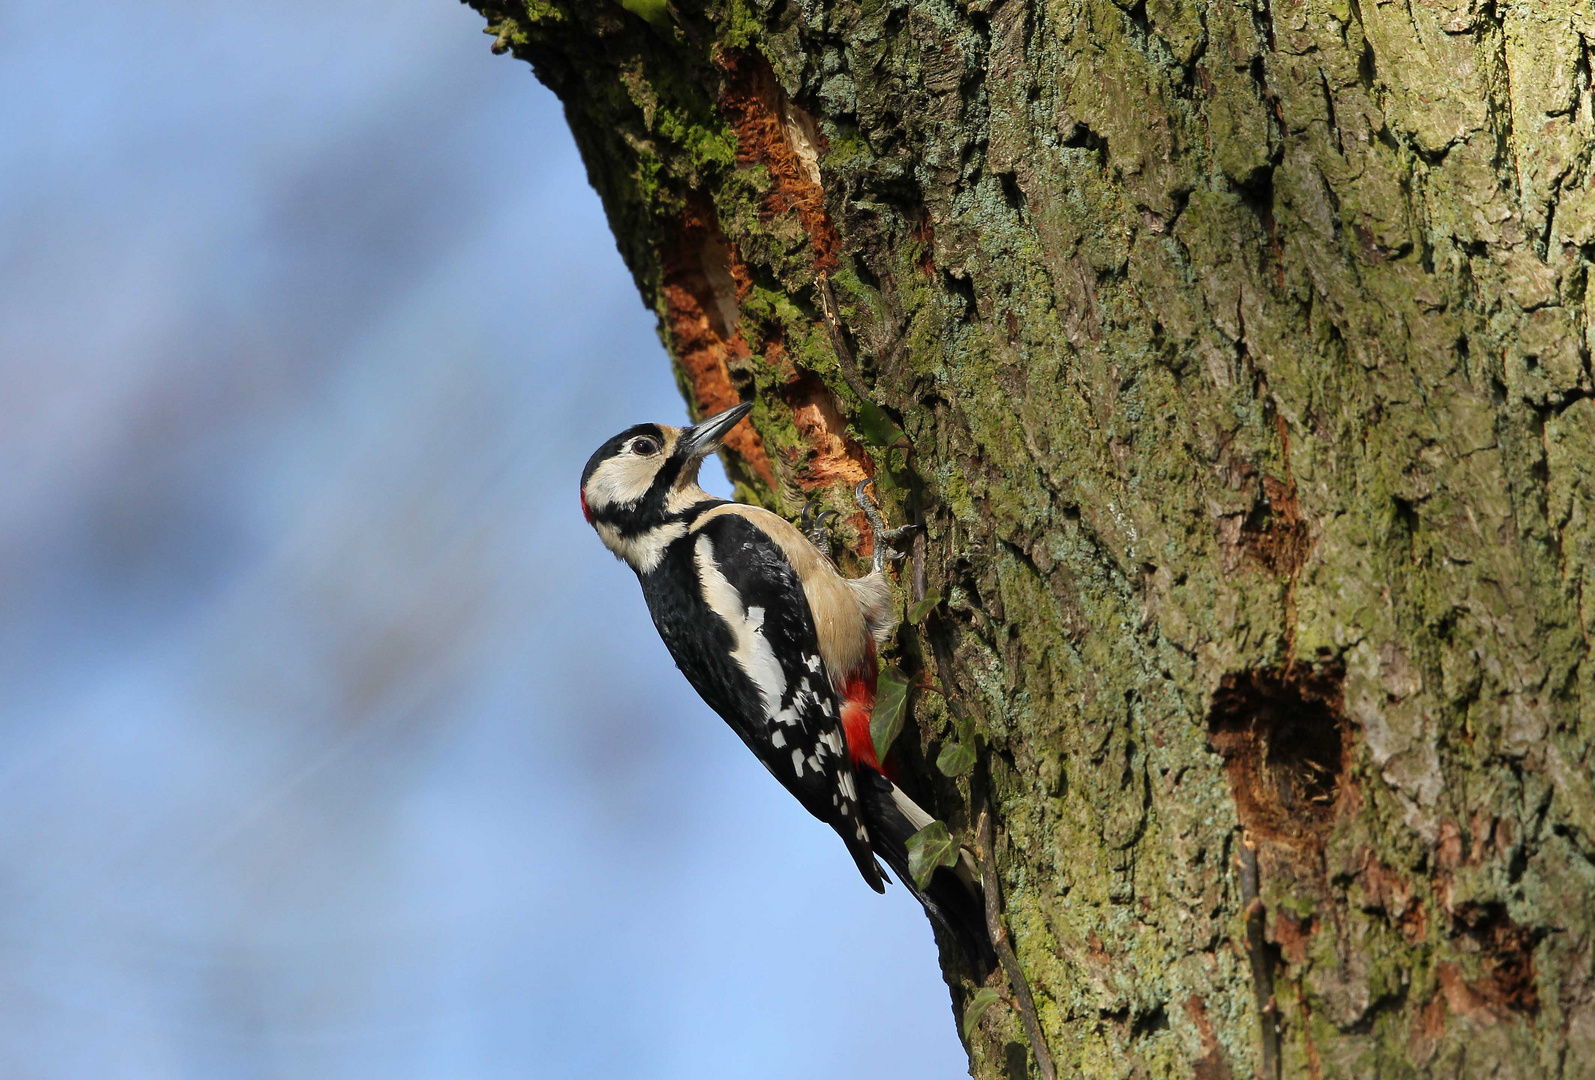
x: 332, y: 743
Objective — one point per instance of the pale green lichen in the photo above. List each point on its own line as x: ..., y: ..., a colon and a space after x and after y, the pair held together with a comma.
x: 1120, y: 272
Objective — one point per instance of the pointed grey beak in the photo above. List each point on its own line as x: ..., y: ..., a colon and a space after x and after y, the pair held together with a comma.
x: 703, y: 439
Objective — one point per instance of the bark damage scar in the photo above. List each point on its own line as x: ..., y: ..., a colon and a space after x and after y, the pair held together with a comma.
x: 1212, y: 1065
x: 703, y: 283
x: 924, y: 235
x: 1388, y: 891
x: 774, y: 132
x: 1273, y: 535
x: 1284, y: 738
x: 1292, y: 935
x: 830, y: 455
x: 1505, y: 986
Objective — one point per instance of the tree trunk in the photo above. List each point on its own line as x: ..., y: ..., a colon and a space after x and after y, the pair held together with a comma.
x: 1236, y: 360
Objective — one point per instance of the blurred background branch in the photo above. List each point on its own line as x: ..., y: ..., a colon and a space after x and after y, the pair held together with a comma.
x: 313, y: 758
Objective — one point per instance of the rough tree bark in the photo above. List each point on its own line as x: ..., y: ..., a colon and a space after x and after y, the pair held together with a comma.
x: 1236, y: 358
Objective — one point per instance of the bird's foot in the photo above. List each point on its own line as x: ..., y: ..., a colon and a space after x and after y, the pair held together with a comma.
x: 885, y: 539
x: 813, y: 524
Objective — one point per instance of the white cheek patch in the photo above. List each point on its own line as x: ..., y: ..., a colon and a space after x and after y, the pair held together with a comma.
x: 621, y: 481
x: 753, y: 653
x: 643, y: 551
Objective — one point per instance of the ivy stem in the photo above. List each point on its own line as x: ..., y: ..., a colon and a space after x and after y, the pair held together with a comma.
x: 985, y: 834
x: 1257, y: 953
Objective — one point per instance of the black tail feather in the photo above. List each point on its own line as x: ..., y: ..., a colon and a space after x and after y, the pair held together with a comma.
x: 948, y: 900
x: 952, y: 904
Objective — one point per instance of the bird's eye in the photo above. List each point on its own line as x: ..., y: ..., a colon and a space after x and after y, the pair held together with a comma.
x: 644, y: 446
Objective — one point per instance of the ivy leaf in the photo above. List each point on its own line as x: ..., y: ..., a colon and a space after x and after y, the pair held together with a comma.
x: 922, y: 607
x: 929, y: 848
x: 877, y: 426
x: 984, y: 999
x: 956, y: 758
x: 651, y: 10
x: 891, y: 702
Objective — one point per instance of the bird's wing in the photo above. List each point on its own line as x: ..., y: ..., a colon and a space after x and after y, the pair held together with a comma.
x: 746, y: 641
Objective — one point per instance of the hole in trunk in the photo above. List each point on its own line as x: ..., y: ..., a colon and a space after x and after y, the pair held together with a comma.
x: 1283, y: 735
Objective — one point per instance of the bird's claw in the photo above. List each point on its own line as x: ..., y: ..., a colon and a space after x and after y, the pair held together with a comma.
x: 884, y: 538
x: 806, y: 518
x: 813, y: 525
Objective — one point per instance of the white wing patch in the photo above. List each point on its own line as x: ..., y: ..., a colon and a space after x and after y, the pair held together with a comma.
x: 755, y: 656
x: 803, y: 699
x: 753, y: 653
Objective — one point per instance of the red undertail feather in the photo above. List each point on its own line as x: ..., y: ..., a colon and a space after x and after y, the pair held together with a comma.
x: 858, y: 701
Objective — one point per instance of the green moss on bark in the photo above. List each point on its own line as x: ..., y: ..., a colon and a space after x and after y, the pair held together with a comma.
x: 1230, y: 338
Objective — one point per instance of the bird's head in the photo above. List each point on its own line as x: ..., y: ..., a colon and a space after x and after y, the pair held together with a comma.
x: 640, y: 480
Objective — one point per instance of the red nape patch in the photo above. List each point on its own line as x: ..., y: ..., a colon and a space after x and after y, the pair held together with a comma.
x: 858, y: 701
x: 586, y: 513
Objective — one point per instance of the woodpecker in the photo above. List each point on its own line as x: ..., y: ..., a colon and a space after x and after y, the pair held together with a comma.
x: 777, y: 641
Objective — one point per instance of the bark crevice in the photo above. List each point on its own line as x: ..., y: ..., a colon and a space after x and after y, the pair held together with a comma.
x: 1236, y: 360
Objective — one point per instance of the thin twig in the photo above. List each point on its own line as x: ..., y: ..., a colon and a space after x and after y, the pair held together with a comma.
x: 985, y: 837
x: 986, y: 858
x: 833, y: 323
x: 1257, y: 953
x: 986, y: 854
x: 686, y: 27
x: 917, y: 582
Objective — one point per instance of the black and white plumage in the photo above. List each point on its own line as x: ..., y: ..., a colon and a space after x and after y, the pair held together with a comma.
x: 728, y: 605
x: 774, y: 639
